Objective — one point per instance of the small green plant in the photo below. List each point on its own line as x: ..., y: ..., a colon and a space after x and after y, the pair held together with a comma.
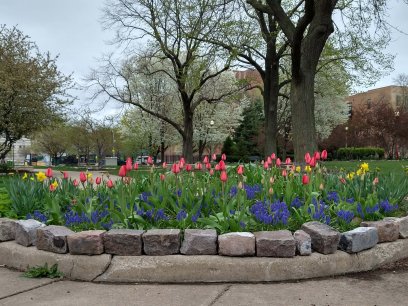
x: 43, y: 271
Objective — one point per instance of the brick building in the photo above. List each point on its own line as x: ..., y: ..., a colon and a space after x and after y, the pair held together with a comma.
x: 397, y: 96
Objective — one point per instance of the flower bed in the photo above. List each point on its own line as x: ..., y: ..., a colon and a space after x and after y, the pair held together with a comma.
x: 211, y: 195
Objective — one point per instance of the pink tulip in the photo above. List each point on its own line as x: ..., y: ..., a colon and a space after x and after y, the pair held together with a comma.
x: 240, y: 170
x: 189, y: 167
x: 52, y: 187
x: 312, y: 162
x: 284, y: 173
x: 224, y: 157
x: 128, y: 164
x: 273, y: 156
x: 217, y: 167
x: 205, y: 160
x: 214, y: 157
x: 307, y: 158
x: 222, y: 166
x: 182, y: 160
x: 98, y: 180
x: 212, y: 172
x: 305, y: 179
x: 278, y: 162
x: 164, y: 165
x: 82, y: 177
x: 208, y: 166
x: 175, y: 168
x: 109, y: 184
x: 317, y: 155
x: 48, y: 172
x: 198, y: 166
x: 269, y: 160
x: 162, y: 177
x: 223, y: 176
x: 288, y: 161
x: 136, y: 166
x: 75, y: 182
x: 266, y: 165
x: 122, y: 171
x: 324, y: 155
x: 150, y: 160
x: 65, y: 174
x: 375, y: 181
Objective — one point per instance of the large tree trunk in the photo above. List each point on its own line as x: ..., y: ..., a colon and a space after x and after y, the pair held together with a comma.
x: 303, y: 123
x: 188, y: 134
x: 270, y: 96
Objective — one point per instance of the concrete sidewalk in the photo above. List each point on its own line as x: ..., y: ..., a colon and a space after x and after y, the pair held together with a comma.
x: 374, y: 288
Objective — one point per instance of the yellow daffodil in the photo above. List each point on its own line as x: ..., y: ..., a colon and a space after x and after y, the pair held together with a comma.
x: 55, y: 184
x: 89, y: 175
x: 350, y: 175
x: 25, y: 176
x: 360, y: 172
x: 364, y: 167
x: 298, y: 169
x: 308, y: 168
x: 40, y: 176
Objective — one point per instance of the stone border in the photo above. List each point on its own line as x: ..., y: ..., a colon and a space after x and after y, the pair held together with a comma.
x: 203, y: 268
x: 154, y: 255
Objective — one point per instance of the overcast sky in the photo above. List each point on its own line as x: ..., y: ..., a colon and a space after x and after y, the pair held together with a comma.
x: 71, y: 29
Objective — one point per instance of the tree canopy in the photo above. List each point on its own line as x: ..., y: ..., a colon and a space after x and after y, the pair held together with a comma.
x: 32, y: 89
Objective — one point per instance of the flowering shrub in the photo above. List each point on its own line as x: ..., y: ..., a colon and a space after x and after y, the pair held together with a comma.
x: 266, y: 196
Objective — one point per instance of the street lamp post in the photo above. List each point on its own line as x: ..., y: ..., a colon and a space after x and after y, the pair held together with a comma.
x: 209, y: 135
x: 346, y: 128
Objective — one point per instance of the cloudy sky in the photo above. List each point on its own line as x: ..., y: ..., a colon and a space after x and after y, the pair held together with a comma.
x: 71, y: 29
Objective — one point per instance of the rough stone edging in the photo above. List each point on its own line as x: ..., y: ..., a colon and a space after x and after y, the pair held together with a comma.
x: 203, y: 268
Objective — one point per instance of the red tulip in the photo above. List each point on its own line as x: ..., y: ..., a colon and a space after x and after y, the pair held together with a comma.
x: 273, y: 156
x: 98, y: 180
x: 266, y: 165
x: 307, y: 158
x: 128, y: 164
x: 48, y: 172
x: 65, y: 174
x: 198, y: 166
x: 75, y: 182
x: 82, y: 177
x: 150, y: 160
x: 278, y: 162
x: 317, y: 155
x: 224, y: 157
x: 136, y: 166
x: 189, y: 167
x: 312, y: 162
x: 288, y: 160
x: 162, y: 177
x: 343, y: 180
x: 205, y: 160
x: 305, y: 179
x: 214, y: 157
x: 109, y: 184
x: 208, y: 166
x: 221, y: 165
x: 122, y: 171
x: 240, y: 170
x: 223, y: 176
x: 175, y: 168
x: 324, y: 155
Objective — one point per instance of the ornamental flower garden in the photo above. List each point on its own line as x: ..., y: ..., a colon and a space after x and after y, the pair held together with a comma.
x: 271, y: 195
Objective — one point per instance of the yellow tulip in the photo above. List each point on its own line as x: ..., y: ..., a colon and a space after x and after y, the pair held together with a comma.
x: 308, y: 168
x: 298, y: 169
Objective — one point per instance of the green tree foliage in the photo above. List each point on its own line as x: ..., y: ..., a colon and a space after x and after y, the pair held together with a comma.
x: 246, y: 135
x: 32, y: 89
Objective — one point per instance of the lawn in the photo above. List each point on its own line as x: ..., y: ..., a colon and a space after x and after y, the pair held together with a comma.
x: 385, y: 166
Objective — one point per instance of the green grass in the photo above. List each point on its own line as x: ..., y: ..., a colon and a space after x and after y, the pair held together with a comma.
x: 4, y: 197
x: 384, y: 166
